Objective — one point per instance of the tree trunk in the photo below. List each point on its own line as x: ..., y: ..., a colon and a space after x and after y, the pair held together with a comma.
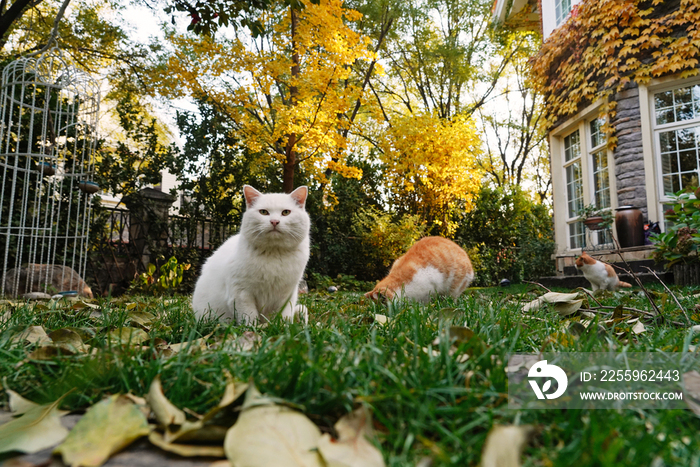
x: 290, y: 150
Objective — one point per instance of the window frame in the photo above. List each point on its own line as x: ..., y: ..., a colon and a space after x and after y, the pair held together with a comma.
x: 559, y: 19
x: 563, y: 229
x: 657, y: 129
x: 573, y: 218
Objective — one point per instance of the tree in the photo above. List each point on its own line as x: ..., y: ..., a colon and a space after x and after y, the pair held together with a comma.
x: 138, y: 158
x: 213, y: 166
x: 430, y: 166
x: 514, y: 134
x: 288, y: 93
x: 442, y: 64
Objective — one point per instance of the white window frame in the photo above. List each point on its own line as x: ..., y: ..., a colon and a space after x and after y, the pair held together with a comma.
x: 559, y: 14
x: 580, y: 122
x: 550, y: 21
x: 601, y: 237
x: 572, y: 219
x: 657, y: 129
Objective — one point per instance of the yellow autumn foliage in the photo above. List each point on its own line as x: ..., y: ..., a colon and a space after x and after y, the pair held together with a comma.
x: 252, y: 81
x: 431, y: 165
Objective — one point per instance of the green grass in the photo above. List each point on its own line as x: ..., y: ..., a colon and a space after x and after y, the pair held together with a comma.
x: 423, y: 405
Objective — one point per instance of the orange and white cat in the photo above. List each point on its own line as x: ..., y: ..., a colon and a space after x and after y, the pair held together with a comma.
x: 601, y: 275
x: 432, y: 266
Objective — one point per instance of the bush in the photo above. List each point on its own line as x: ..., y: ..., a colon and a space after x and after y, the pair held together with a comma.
x: 507, y: 235
x: 679, y: 244
x: 383, y: 238
x: 355, y: 237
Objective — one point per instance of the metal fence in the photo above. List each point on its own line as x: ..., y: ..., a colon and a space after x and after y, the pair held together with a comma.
x: 115, y: 259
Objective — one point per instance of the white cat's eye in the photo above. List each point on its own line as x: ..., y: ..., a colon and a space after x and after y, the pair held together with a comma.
x: 286, y: 212
x: 264, y: 212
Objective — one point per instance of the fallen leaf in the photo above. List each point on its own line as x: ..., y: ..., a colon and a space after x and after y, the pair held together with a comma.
x: 271, y: 435
x: 244, y: 343
x: 127, y: 336
x: 142, y: 318
x: 504, y: 445
x: 567, y: 307
x: 186, y: 450
x: 166, y: 413
x: 69, y: 338
x: 106, y: 428
x: 352, y: 448
x: 618, y: 312
x: 549, y: 297
x: 51, y: 351
x: 638, y: 328
x: 32, y: 335
x: 18, y: 404
x: 37, y: 429
x: 200, y: 344
x: 381, y: 319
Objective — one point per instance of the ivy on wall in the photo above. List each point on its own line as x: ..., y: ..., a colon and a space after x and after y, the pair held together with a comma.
x: 606, y: 45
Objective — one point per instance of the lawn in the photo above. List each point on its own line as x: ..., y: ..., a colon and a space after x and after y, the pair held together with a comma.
x: 427, y: 399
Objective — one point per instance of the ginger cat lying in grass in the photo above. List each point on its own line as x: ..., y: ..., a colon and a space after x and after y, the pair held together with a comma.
x: 433, y: 265
x: 600, y: 275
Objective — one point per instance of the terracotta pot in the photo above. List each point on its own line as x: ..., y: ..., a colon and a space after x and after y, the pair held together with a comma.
x: 593, y: 222
x: 629, y: 223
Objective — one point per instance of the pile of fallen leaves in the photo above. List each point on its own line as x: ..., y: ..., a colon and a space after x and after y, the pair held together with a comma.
x: 254, y: 430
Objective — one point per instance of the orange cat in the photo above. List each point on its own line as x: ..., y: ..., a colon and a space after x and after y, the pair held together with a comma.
x: 433, y: 265
x: 599, y: 274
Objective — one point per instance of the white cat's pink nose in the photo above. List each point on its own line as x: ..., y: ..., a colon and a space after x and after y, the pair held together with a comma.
x: 274, y: 222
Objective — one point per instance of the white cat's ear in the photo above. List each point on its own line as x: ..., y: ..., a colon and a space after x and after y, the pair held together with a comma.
x: 299, y: 195
x: 250, y: 194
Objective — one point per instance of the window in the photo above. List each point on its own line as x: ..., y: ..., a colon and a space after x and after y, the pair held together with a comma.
x: 677, y: 124
x: 574, y: 187
x: 598, y: 155
x: 562, y: 9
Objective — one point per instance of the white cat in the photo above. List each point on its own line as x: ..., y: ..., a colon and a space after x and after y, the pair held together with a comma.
x: 256, y: 273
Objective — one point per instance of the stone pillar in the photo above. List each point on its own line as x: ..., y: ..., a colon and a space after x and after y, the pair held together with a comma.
x: 629, y: 156
x: 148, y: 223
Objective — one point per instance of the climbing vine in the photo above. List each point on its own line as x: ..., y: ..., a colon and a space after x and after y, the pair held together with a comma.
x: 606, y: 46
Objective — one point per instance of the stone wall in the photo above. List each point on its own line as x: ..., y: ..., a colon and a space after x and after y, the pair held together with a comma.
x: 628, y: 155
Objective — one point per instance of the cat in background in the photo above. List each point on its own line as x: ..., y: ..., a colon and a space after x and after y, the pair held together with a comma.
x: 601, y: 275
x: 256, y: 273
x: 35, y: 277
x: 433, y: 265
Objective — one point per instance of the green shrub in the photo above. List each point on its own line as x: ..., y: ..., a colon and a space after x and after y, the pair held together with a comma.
x: 167, y: 282
x: 507, y: 236
x: 384, y: 237
x: 679, y: 244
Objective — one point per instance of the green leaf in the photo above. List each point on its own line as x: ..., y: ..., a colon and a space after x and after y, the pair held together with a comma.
x: 39, y: 428
x: 106, y: 428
